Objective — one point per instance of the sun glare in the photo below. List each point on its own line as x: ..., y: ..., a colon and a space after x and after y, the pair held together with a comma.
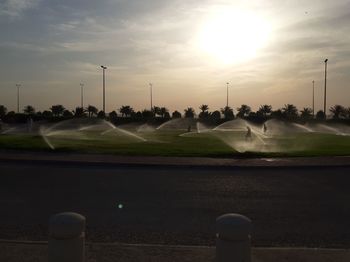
x: 233, y: 36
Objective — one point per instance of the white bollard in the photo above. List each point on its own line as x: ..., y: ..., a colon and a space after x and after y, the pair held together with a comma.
x: 67, y: 237
x: 233, y: 238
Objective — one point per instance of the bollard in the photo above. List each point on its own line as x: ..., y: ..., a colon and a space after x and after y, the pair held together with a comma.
x: 233, y: 238
x: 67, y: 238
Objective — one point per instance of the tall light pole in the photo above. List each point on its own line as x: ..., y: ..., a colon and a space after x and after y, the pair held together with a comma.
x: 82, y: 94
x: 325, y: 88
x: 151, y: 93
x: 104, y: 88
x: 313, y: 98
x: 18, y: 86
x: 227, y: 94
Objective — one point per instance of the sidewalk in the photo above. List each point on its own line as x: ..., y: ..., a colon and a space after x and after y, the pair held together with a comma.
x: 98, y: 252
x: 98, y: 159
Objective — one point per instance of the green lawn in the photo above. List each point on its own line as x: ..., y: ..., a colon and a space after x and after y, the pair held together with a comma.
x: 170, y: 143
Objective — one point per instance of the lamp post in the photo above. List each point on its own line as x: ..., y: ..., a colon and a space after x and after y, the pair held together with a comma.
x: 18, y: 86
x: 151, y: 93
x: 82, y: 94
x: 325, y: 88
x: 313, y: 98
x: 104, y: 88
x: 227, y: 94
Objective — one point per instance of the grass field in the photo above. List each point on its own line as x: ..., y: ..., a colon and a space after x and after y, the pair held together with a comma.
x: 178, y: 143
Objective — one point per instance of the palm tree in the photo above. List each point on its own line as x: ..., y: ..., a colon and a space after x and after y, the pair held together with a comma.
x: 264, y: 110
x: 306, y: 113
x: 243, y: 111
x: 79, y: 112
x: 204, y: 113
x: 29, y: 110
x: 176, y: 114
x: 57, y: 110
x: 320, y: 115
x: 126, y: 111
x: 67, y: 113
x: 227, y: 112
x: 91, y: 110
x: 163, y: 111
x: 3, y: 111
x: 338, y: 111
x: 290, y: 111
x: 156, y: 110
x: 189, y: 112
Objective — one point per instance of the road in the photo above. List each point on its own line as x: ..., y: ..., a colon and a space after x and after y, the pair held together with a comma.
x: 289, y: 206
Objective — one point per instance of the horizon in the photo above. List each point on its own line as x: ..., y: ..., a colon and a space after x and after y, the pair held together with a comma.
x: 269, y: 53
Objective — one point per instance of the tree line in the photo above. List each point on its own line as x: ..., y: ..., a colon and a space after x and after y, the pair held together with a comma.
x: 126, y: 113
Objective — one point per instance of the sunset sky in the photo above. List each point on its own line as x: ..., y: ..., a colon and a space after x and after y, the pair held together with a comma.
x: 269, y: 52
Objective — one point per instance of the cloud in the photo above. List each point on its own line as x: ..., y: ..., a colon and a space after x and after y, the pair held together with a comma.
x: 14, y: 8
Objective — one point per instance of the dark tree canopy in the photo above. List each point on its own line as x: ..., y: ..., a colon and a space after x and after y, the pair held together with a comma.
x: 189, y: 112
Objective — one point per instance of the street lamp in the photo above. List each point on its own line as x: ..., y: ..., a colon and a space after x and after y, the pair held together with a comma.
x: 227, y: 94
x: 325, y: 88
x: 313, y: 98
x: 151, y: 93
x: 82, y: 94
x: 18, y: 86
x: 104, y: 88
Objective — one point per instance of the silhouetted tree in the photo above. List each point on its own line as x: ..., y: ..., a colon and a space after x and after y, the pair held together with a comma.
x: 204, y: 112
x: 215, y: 116
x: 290, y: 111
x: 176, y: 114
x: 91, y: 110
x: 320, y: 115
x: 347, y: 111
x: 101, y: 114
x: 278, y: 114
x: 46, y: 114
x: 243, y: 111
x: 189, y: 112
x: 306, y: 113
x: 167, y: 115
x: 264, y: 110
x: 126, y: 111
x: 338, y: 111
x: 3, y: 111
x: 67, y: 113
x: 29, y: 110
x: 79, y: 112
x: 147, y: 114
x: 228, y: 113
x: 113, y: 116
x: 156, y: 111
x: 57, y: 110
x: 163, y: 111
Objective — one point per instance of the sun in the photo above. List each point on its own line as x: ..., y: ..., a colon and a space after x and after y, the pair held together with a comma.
x: 233, y: 36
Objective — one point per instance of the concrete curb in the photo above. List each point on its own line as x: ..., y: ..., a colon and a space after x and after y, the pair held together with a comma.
x: 113, y: 160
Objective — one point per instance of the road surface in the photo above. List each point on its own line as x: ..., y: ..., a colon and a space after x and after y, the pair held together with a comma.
x: 289, y: 206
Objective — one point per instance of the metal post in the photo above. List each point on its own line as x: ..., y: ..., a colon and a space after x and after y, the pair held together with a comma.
x: 151, y: 92
x: 325, y: 88
x: 18, y: 86
x: 82, y: 94
x: 67, y: 237
x: 233, y: 238
x: 104, y: 90
x: 313, y: 99
x: 227, y: 94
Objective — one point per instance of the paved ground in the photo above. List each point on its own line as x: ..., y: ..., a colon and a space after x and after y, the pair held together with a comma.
x: 290, y: 206
x: 37, y: 252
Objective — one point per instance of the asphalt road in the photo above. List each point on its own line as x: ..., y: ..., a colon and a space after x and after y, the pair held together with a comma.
x: 300, y: 206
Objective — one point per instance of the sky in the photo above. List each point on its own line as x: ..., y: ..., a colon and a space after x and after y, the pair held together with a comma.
x: 268, y: 51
